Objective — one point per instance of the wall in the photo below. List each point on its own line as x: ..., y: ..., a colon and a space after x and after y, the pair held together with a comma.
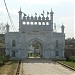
x: 47, y: 38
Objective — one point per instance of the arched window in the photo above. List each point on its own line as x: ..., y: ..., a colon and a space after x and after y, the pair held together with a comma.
x: 47, y: 23
x: 39, y: 23
x: 23, y: 23
x: 43, y: 23
x: 27, y: 23
x: 13, y: 43
x: 31, y: 23
x: 35, y: 23
x: 57, y: 44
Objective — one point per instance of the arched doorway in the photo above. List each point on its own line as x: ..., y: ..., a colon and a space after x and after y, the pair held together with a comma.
x: 35, y: 49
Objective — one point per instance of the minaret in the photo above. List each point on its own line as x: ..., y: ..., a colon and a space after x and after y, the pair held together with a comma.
x: 20, y: 21
x: 51, y: 16
x: 7, y: 28
x: 62, y: 28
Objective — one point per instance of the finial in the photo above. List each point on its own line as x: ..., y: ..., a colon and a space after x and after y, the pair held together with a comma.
x: 20, y: 8
x: 7, y: 25
x: 62, y: 28
x: 51, y: 11
x: 62, y: 25
x: 51, y: 8
x: 43, y: 13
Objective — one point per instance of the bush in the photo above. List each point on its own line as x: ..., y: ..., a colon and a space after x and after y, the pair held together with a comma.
x: 72, y: 58
x: 6, y: 58
x: 67, y: 58
x: 3, y: 58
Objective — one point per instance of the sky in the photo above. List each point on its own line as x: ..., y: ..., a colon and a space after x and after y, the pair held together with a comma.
x: 63, y: 12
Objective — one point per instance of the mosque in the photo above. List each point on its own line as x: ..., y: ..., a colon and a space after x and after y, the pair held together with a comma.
x: 36, y: 36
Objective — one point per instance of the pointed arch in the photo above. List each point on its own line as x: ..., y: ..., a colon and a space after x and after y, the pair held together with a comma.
x: 57, y: 43
x: 13, y: 43
x: 36, y: 39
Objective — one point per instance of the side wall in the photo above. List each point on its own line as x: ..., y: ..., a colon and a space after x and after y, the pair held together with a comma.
x: 9, y: 37
x: 60, y: 37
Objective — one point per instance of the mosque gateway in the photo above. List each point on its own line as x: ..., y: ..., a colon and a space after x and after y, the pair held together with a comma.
x: 36, y: 38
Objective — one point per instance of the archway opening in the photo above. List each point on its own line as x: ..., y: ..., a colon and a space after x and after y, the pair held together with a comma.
x: 35, y: 49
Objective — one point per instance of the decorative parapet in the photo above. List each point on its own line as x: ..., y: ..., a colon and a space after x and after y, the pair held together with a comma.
x: 35, y: 20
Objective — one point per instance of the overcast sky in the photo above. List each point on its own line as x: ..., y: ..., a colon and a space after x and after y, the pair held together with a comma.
x: 63, y: 12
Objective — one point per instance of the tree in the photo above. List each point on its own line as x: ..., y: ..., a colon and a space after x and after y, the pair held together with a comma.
x: 2, y: 58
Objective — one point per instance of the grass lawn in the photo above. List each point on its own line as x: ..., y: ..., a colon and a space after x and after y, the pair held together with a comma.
x: 69, y: 63
x: 9, y: 68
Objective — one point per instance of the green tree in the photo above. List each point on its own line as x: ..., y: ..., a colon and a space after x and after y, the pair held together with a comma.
x: 2, y: 58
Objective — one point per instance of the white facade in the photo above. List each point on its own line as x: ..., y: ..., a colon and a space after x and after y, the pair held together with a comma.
x: 33, y: 29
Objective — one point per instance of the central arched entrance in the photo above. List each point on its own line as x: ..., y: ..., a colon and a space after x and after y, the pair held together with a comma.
x: 35, y: 49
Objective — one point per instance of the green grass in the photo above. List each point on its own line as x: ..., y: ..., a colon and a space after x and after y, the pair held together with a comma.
x: 9, y: 68
x: 69, y: 63
x: 38, y: 55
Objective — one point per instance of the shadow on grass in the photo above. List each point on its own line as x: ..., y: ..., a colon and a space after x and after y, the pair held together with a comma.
x: 8, y: 63
x: 11, y: 62
x: 1, y: 64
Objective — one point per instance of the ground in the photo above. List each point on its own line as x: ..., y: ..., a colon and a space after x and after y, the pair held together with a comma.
x: 44, y: 67
x: 9, y: 68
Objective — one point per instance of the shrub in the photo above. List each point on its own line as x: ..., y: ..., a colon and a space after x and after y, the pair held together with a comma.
x: 72, y: 58
x: 3, y: 58
x: 67, y: 58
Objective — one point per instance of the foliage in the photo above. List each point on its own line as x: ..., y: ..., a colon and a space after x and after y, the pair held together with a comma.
x: 2, y: 38
x: 72, y: 58
x: 69, y: 63
x: 34, y: 55
x: 67, y: 58
x: 3, y: 58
